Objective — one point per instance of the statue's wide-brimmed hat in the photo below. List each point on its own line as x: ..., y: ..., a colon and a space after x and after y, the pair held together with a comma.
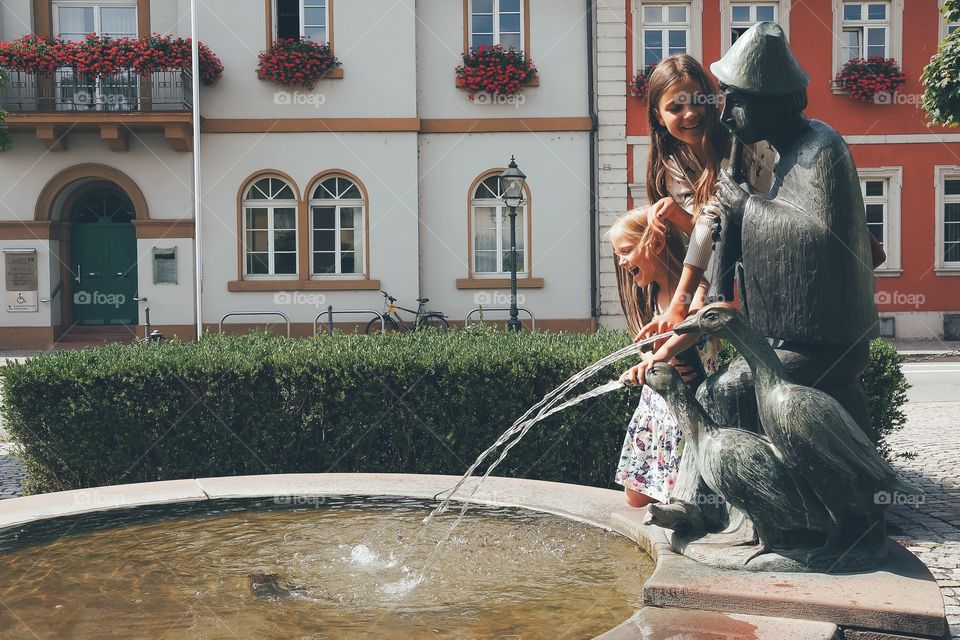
x: 761, y: 62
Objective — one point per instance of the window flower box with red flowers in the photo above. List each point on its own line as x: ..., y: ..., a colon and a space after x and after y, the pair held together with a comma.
x: 297, y: 62
x: 638, y: 86
x: 99, y: 56
x: 870, y: 80
x: 495, y: 71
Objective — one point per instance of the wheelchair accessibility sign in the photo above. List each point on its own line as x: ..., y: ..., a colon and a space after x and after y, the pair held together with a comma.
x: 21, y: 301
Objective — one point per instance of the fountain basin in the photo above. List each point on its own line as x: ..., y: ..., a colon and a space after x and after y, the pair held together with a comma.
x: 682, y: 597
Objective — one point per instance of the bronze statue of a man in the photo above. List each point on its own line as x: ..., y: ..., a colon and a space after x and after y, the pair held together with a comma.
x: 807, y: 267
x: 807, y: 271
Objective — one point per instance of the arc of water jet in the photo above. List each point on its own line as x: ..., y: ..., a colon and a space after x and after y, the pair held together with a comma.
x: 561, y: 390
x: 523, y: 425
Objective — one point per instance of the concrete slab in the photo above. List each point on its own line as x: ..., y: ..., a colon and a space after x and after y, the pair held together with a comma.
x: 901, y: 599
x: 17, y: 511
x: 651, y: 623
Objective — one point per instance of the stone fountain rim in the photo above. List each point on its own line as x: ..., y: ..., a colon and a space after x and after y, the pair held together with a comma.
x: 903, y: 598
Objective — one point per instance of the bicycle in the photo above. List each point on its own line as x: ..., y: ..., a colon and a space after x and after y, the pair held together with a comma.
x: 392, y: 322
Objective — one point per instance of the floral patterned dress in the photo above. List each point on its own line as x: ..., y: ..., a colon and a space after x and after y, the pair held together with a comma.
x: 652, y: 447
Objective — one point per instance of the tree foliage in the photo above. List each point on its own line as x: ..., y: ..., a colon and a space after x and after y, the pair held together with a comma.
x: 941, y: 76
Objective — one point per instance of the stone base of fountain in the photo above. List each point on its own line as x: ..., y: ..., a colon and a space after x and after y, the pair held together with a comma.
x: 684, y: 599
x: 897, y: 601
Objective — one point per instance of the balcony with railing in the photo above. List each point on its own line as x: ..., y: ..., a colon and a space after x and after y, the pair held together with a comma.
x: 58, y: 104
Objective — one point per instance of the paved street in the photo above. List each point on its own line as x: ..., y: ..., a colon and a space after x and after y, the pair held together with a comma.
x: 928, y: 450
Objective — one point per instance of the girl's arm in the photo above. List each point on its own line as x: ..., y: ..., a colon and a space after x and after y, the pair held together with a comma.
x: 673, y: 346
x: 666, y: 209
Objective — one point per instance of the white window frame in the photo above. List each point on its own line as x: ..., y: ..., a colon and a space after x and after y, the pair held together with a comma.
x: 893, y: 177
x: 359, y: 229
x: 97, y: 6
x: 894, y: 33
x: 942, y: 173
x: 694, y: 36
x: 270, y: 206
x: 781, y: 15
x: 503, y: 249
x: 496, y: 24
x: 944, y: 25
x: 303, y: 13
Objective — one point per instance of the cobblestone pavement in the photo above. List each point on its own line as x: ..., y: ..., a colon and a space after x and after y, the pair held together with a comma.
x: 931, y: 530
x: 928, y: 450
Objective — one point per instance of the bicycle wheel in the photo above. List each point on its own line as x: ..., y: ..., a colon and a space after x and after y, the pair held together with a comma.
x: 433, y: 321
x: 389, y: 326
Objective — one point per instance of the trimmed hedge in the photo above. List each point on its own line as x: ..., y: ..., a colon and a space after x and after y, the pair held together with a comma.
x: 256, y: 403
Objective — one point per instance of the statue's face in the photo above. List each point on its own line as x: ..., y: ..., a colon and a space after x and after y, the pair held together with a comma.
x: 746, y: 115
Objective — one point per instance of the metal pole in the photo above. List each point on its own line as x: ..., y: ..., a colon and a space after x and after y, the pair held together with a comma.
x: 329, y: 319
x: 197, y: 200
x: 513, y: 324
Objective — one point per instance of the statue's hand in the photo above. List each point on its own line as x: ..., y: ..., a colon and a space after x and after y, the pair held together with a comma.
x: 731, y: 196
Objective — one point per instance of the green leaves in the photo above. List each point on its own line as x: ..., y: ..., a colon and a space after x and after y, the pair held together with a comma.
x: 941, y: 76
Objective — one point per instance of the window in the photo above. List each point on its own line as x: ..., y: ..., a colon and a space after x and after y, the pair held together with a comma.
x: 666, y: 31
x: 336, y: 213
x: 490, y: 226
x: 881, y: 201
x: 948, y: 218
x: 73, y: 21
x: 664, y: 28
x: 736, y: 16
x: 269, y: 229
x: 308, y: 18
x: 866, y: 30
x: 497, y: 22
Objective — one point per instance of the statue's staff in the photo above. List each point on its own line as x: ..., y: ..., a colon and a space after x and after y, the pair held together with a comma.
x: 727, y: 251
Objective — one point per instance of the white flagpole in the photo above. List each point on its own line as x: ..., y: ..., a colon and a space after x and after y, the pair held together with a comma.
x: 197, y: 204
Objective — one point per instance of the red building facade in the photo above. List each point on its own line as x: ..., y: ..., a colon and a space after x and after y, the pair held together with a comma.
x: 910, y: 172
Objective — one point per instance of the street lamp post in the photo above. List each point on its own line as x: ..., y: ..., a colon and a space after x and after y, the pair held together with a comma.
x: 511, y: 185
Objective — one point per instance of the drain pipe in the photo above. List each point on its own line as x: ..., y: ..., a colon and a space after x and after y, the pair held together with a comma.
x: 197, y: 205
x: 592, y: 107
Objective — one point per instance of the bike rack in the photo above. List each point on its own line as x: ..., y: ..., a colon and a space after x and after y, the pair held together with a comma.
x: 533, y: 321
x: 330, y: 313
x: 257, y: 313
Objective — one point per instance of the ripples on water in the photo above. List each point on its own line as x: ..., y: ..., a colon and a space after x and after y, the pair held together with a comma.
x: 341, y: 569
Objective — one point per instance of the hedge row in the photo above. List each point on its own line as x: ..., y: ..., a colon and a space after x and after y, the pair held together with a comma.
x: 250, y: 404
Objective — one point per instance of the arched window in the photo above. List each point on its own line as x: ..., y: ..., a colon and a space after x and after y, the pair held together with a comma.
x: 269, y: 229
x: 337, y: 228
x: 490, y: 230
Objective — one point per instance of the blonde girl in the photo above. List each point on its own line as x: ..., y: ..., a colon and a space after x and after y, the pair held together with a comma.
x: 649, y: 261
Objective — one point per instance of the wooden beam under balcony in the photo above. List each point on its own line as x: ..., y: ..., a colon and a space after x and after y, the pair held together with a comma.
x: 114, y: 127
x: 117, y: 136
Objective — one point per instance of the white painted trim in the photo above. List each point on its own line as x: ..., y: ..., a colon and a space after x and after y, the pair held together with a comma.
x: 904, y: 138
x: 694, y: 43
x: 940, y: 174
x: 892, y: 244
x: 782, y: 18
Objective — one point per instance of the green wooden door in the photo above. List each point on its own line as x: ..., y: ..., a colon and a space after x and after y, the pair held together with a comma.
x: 104, y: 256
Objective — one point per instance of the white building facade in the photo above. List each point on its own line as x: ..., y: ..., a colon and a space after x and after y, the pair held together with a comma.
x: 377, y: 178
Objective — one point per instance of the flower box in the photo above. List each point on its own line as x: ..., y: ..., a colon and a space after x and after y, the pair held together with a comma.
x: 298, y: 62
x: 870, y: 80
x: 495, y: 71
x: 638, y: 86
x: 99, y: 56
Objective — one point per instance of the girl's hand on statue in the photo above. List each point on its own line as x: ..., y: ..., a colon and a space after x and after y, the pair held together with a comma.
x: 731, y: 196
x: 673, y: 316
x: 634, y: 376
x: 658, y: 215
